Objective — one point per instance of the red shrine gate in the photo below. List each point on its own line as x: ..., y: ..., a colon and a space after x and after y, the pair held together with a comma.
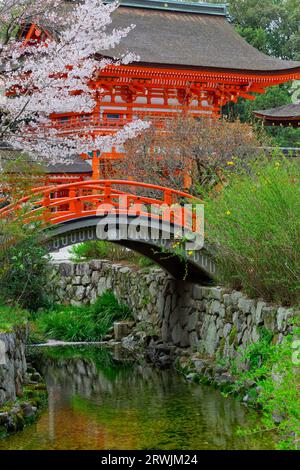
x: 191, y: 61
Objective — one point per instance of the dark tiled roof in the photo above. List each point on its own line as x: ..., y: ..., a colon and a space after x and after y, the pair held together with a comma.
x: 78, y: 165
x: 183, y: 38
x: 290, y: 111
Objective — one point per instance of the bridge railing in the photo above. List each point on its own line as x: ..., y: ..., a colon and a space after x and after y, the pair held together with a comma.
x: 56, y: 204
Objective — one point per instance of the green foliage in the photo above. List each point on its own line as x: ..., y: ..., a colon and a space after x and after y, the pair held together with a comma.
x: 276, y: 382
x: 87, y: 323
x: 271, y: 26
x: 89, y: 250
x: 100, y: 249
x: 254, y: 223
x: 258, y: 353
x: 23, y: 264
x: 11, y: 316
x: 275, y: 96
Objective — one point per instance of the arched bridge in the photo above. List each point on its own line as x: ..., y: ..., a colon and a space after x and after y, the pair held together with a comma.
x: 161, y: 223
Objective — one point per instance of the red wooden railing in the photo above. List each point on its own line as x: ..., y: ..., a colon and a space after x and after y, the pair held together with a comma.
x: 56, y: 204
x: 96, y: 123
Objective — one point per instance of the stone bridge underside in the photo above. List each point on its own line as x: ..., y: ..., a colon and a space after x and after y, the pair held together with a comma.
x: 192, y: 265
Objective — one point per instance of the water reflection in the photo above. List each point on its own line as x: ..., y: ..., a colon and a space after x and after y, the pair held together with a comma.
x: 99, y: 401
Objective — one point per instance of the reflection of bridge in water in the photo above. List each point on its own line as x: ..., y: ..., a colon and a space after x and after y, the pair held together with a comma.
x: 122, y: 212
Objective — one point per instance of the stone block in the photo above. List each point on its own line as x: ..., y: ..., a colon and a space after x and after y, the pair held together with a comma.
x: 192, y: 320
x: 176, y: 334
x: 167, y: 307
x: 125, y: 270
x: 235, y: 297
x: 184, y: 339
x: 122, y: 329
x: 227, y: 300
x: 255, y: 334
x: 245, y: 305
x: 269, y: 318
x: 216, y: 293
x: 198, y: 292
x: 66, y: 269
x: 82, y: 268
x: 95, y: 277
x: 102, y: 286
x: 184, y: 316
x: 165, y: 331
x: 258, y: 317
x: 96, y: 265
x: 160, y: 303
x: 227, y: 329
x: 211, y: 339
x: 283, y: 316
x: 76, y: 281
x: 193, y: 339
x: 85, y: 280
x: 79, y: 293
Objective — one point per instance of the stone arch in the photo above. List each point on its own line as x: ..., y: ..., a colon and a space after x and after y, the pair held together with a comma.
x: 196, y: 267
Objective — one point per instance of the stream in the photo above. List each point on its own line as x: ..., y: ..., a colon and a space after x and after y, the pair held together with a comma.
x: 101, y: 399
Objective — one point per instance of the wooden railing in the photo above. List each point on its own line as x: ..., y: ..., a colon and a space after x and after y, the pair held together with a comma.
x: 56, y: 204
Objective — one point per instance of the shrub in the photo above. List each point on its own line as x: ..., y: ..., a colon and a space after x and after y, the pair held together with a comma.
x: 89, y: 250
x: 11, y: 316
x: 275, y: 376
x: 99, y: 249
x: 254, y: 224
x: 23, y: 264
x: 86, y: 323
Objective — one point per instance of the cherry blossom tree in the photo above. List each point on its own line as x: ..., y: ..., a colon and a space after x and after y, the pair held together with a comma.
x: 52, y: 75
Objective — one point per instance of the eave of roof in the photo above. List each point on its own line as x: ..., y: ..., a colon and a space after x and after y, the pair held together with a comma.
x: 285, y: 112
x: 71, y: 168
x: 77, y: 166
x: 203, y: 8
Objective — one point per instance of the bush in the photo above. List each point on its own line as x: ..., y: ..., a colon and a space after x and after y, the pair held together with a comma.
x: 23, y: 264
x: 275, y: 375
x: 254, y: 223
x: 11, y: 316
x: 87, y: 323
x: 100, y: 249
x: 89, y: 250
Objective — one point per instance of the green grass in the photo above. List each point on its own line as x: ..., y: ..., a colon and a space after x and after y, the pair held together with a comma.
x: 254, y: 223
x: 99, y: 249
x: 87, y: 323
x: 11, y: 317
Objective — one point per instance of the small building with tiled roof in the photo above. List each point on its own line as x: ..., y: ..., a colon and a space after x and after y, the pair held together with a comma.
x: 286, y: 115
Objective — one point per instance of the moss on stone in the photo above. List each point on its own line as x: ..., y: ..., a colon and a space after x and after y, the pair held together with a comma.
x: 233, y: 335
x: 14, y: 417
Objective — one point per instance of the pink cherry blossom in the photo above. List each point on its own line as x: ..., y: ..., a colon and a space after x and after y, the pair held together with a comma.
x: 44, y: 75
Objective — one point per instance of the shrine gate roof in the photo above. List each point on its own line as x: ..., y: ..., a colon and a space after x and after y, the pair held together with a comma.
x: 190, y: 35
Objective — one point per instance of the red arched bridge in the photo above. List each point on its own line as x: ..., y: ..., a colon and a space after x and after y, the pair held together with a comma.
x: 163, y: 224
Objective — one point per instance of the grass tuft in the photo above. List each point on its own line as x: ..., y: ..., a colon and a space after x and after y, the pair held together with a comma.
x: 86, y: 323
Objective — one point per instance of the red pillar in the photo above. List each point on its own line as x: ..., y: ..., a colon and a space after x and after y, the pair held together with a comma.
x: 95, y: 166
